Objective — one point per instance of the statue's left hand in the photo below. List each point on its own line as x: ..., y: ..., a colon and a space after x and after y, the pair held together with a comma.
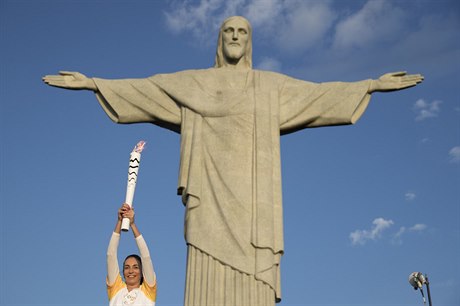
x: 395, y: 81
x: 70, y: 80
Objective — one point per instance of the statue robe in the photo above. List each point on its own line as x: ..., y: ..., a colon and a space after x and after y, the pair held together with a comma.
x: 230, y: 123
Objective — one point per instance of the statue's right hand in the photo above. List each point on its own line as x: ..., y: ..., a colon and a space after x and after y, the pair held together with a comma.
x: 70, y: 80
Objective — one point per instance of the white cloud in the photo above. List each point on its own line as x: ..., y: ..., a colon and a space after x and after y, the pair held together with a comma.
x: 418, y: 227
x: 426, y: 110
x: 378, y: 20
x: 430, y: 41
x: 419, y: 42
x: 410, y: 196
x: 201, y: 19
x: 397, y: 238
x: 425, y: 140
x: 454, y: 154
x: 337, y: 41
x: 263, y: 13
x: 304, y: 25
x: 292, y: 25
x: 360, y: 237
x: 270, y: 64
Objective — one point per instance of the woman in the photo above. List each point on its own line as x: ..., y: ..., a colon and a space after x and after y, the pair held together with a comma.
x: 139, y: 286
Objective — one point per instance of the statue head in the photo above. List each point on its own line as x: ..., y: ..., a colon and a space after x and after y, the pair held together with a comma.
x: 234, y: 45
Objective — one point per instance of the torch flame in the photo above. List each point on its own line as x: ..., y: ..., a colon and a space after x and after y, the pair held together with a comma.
x: 139, y: 147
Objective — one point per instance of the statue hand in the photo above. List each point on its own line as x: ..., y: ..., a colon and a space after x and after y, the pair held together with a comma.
x: 70, y: 80
x: 395, y: 81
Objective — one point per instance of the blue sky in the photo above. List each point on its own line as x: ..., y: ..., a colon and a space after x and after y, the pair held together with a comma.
x: 364, y: 205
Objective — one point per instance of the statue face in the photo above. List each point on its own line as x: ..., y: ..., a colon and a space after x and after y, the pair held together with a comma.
x: 235, y: 39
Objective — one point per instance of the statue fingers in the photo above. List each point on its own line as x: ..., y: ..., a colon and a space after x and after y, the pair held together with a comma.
x: 396, y: 74
x: 54, y: 80
x: 408, y: 84
x: 56, y: 84
x: 63, y: 81
x: 418, y: 78
x: 413, y: 76
x: 391, y: 76
x: 64, y: 72
x: 52, y: 77
x: 73, y: 75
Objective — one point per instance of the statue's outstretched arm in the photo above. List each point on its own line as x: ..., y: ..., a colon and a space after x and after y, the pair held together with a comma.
x: 395, y: 81
x: 70, y: 80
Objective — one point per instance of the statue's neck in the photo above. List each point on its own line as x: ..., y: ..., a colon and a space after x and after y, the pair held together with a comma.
x: 239, y: 64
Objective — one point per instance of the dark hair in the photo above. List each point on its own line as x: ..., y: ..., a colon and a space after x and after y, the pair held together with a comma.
x: 139, y: 263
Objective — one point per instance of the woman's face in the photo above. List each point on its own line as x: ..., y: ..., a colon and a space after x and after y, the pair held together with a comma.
x: 132, y: 272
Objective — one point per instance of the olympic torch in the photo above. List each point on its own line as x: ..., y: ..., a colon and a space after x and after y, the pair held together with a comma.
x: 133, y: 170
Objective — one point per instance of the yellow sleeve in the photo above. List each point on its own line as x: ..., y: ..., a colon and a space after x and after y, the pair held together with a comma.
x: 150, y: 292
x: 112, y: 289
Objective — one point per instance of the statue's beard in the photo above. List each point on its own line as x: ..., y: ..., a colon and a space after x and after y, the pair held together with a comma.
x: 233, y: 54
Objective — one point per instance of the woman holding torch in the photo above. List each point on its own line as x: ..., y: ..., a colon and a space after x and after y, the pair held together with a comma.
x: 139, y: 286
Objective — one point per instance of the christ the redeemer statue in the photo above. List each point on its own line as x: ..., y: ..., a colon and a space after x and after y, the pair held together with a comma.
x: 230, y: 118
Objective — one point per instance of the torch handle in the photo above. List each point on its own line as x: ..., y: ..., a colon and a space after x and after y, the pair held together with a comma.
x: 125, y: 224
x: 129, y: 200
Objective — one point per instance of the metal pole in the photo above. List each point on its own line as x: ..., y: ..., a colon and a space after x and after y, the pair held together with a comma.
x: 428, y: 289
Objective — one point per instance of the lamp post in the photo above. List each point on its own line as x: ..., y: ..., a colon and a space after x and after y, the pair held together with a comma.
x: 417, y: 280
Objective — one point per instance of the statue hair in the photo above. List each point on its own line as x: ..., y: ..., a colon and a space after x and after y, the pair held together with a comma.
x: 220, y: 58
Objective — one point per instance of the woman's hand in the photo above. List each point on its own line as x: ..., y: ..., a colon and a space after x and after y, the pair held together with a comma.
x: 121, y: 211
x: 127, y: 212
